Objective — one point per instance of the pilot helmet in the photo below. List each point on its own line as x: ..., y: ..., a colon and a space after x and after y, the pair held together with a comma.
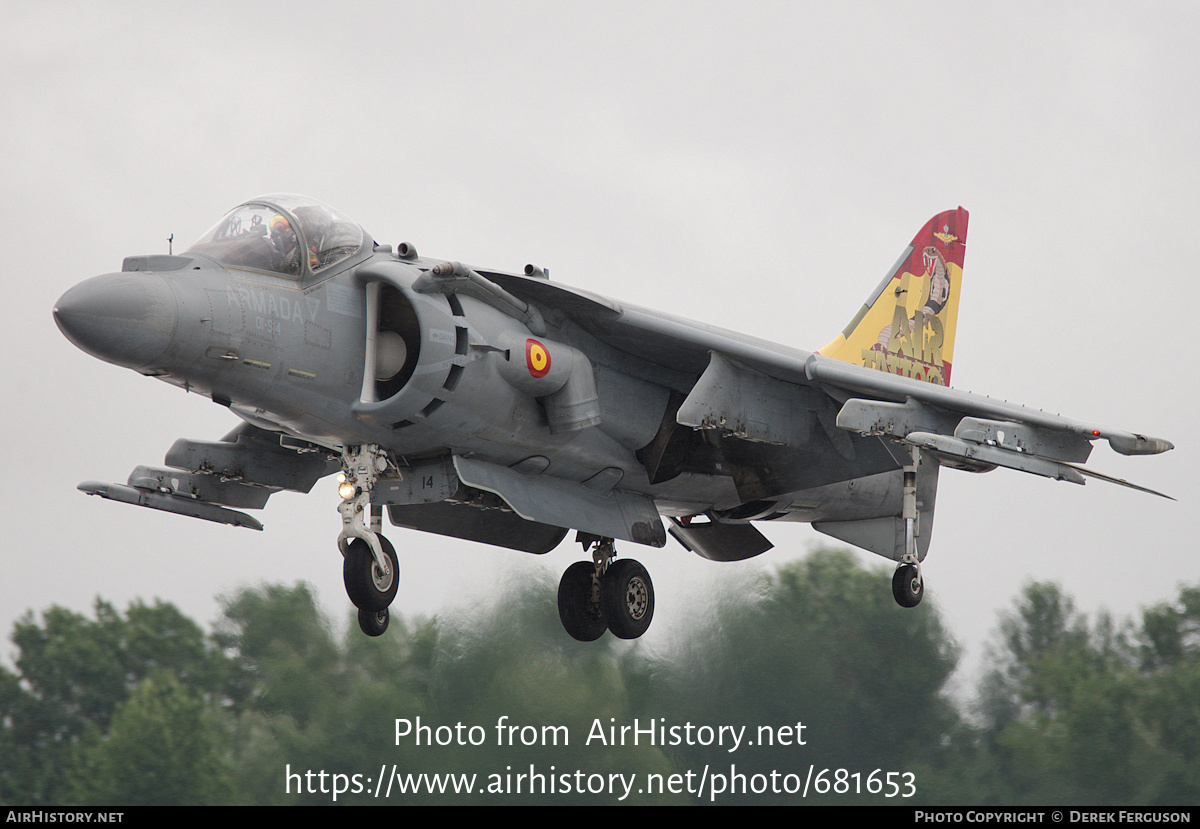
x: 281, y: 229
x: 280, y: 223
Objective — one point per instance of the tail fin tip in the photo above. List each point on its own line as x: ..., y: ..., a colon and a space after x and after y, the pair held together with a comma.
x: 908, y: 323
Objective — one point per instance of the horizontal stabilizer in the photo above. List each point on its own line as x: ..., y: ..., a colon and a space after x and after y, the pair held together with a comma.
x: 169, y: 503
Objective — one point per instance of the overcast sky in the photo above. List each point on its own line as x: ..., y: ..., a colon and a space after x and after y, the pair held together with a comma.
x: 754, y: 165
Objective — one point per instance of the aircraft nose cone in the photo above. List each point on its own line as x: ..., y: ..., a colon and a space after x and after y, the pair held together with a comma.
x: 122, y: 318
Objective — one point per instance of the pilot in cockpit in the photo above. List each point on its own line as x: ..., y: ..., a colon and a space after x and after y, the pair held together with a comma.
x: 287, y: 248
x: 316, y: 223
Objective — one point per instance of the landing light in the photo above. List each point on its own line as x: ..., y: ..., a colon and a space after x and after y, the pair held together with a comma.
x: 346, y: 488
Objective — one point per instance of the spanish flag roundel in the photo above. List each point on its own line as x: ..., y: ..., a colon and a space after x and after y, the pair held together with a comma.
x: 537, y: 358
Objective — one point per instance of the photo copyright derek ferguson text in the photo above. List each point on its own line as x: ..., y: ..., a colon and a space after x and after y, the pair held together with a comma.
x: 709, y: 782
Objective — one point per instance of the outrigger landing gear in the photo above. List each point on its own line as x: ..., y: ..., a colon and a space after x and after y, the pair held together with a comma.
x: 907, y: 585
x: 605, y: 595
x: 370, y: 568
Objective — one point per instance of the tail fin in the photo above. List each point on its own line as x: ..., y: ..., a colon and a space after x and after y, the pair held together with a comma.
x: 907, y: 325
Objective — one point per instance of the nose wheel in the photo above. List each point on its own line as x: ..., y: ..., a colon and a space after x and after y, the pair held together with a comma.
x: 370, y: 585
x: 370, y: 568
x: 373, y: 624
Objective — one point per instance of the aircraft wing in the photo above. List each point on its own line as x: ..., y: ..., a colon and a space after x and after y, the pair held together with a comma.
x: 748, y: 388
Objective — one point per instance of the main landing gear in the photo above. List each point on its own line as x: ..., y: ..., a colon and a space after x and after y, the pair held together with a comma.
x: 370, y: 568
x: 604, y: 594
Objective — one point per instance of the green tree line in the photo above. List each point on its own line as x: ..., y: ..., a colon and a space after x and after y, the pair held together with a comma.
x: 143, y: 707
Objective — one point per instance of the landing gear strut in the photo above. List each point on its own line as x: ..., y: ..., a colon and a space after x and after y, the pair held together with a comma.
x: 370, y: 569
x: 605, y: 595
x: 907, y: 585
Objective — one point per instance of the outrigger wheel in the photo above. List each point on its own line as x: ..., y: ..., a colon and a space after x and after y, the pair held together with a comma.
x: 907, y: 585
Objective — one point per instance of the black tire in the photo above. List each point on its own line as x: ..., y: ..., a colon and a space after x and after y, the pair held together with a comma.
x: 907, y: 586
x: 373, y: 623
x: 581, y: 615
x: 368, y: 588
x: 627, y: 598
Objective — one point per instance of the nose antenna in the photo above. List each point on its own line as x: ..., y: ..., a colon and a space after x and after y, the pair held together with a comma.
x: 171, y: 245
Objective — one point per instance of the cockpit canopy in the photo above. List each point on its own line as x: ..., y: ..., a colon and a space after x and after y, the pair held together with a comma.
x: 285, y: 234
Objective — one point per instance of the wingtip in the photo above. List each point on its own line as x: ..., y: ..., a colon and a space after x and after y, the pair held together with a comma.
x: 1139, y: 444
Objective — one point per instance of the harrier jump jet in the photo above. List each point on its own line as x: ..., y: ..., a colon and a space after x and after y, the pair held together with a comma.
x: 508, y: 409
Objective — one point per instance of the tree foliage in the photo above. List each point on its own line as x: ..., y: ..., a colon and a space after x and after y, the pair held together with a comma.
x: 142, y: 707
x: 163, y: 748
x: 74, y: 672
x: 1092, y: 712
x: 820, y: 641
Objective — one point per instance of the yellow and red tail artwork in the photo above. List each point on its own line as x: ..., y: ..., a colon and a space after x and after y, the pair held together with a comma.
x: 907, y: 325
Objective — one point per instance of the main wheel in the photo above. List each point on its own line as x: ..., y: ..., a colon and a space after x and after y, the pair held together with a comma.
x: 627, y: 598
x: 373, y: 623
x: 578, y: 608
x: 907, y: 585
x: 367, y: 585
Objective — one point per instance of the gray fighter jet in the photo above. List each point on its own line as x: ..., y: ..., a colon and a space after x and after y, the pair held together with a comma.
x: 508, y: 409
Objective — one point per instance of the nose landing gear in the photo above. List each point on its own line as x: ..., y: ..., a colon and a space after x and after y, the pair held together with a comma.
x: 370, y: 568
